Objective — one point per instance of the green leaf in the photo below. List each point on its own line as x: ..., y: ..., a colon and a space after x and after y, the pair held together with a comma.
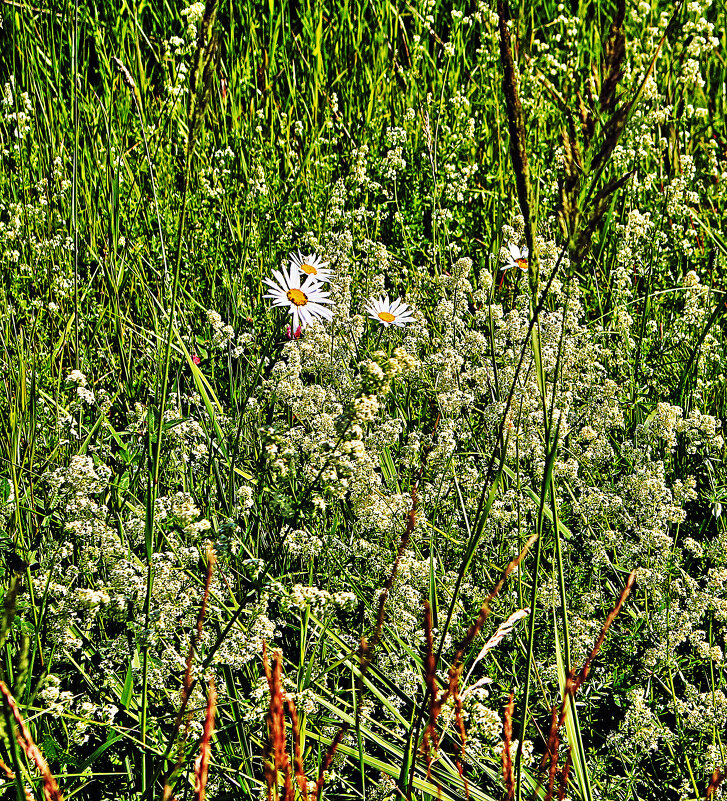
x: 127, y: 692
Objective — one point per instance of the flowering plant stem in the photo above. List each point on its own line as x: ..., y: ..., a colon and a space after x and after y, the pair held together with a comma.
x: 196, y: 115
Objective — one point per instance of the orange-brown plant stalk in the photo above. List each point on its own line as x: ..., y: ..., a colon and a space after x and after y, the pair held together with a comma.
x: 51, y: 791
x: 585, y: 670
x: 455, y: 669
x: 572, y: 685
x: 507, y: 772
x: 340, y: 734
x: 197, y: 636
x: 188, y: 682
x: 430, y: 740
x: 297, y: 755
x: 201, y: 765
x: 276, y: 727
x: 714, y: 783
x: 563, y: 778
x: 366, y: 648
x: 551, y: 754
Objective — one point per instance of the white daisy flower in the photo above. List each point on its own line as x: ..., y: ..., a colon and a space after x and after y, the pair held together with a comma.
x: 304, y: 303
x: 312, y: 265
x: 387, y: 313
x: 518, y: 258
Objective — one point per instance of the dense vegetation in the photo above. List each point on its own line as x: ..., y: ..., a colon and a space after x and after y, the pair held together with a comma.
x: 373, y: 553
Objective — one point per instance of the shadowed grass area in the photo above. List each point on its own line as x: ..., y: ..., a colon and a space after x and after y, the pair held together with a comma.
x: 551, y: 211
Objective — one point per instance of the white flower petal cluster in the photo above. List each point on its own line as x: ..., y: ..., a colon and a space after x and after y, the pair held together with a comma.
x: 305, y: 302
x: 388, y: 312
x: 515, y: 257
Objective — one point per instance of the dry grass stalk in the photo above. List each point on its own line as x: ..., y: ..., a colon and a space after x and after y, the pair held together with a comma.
x: 476, y: 627
x: 328, y: 759
x: 167, y: 792
x: 384, y: 595
x: 366, y: 648
x: 211, y: 561
x: 459, y: 720
x: 6, y: 770
x: 194, y: 642
x: 201, y: 765
x: 714, y: 783
x: 51, y: 791
x: 129, y: 81
x: 502, y: 631
x: 572, y: 685
x: 271, y: 775
x: 507, y: 772
x: 551, y: 754
x: 455, y: 670
x: 188, y: 682
x: 563, y: 778
x: 297, y: 754
x: 276, y: 728
x: 583, y: 675
x: 516, y: 126
x: 430, y: 741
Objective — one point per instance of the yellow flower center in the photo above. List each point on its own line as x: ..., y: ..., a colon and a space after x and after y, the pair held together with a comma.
x: 522, y: 263
x: 297, y: 297
x: 387, y: 317
x: 309, y: 269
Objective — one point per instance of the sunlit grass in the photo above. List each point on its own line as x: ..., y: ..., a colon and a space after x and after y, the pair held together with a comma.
x: 153, y: 402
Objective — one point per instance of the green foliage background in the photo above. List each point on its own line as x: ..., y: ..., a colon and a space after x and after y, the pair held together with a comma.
x: 374, y: 133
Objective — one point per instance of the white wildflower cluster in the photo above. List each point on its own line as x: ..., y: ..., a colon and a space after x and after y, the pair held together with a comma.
x: 482, y: 723
x: 259, y: 183
x: 194, y: 15
x: 80, y: 381
x: 52, y: 696
x: 222, y: 333
x: 49, y: 241
x: 182, y: 507
x: 93, y: 582
x: 279, y: 453
x: 528, y: 751
x: 384, y: 790
x: 16, y: 109
x: 302, y: 544
x: 73, y: 493
x: 245, y: 640
x: 395, y: 164
x: 319, y: 601
x: 214, y: 176
x: 639, y: 731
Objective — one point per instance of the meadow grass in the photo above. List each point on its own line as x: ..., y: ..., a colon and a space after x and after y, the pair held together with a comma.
x: 479, y: 554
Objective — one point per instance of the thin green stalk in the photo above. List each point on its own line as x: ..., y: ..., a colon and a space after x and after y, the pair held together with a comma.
x: 550, y: 460
x: 199, y: 96
x: 13, y: 748
x: 152, y: 489
x: 74, y: 187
